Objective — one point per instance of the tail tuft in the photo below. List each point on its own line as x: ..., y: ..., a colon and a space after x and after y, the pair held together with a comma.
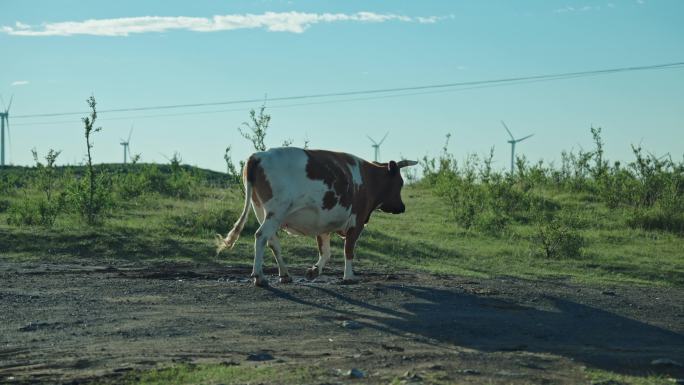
x: 229, y: 241
x: 220, y: 244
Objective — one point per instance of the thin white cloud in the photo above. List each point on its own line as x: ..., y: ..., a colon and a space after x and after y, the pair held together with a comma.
x: 294, y: 22
x: 19, y: 83
x: 585, y: 8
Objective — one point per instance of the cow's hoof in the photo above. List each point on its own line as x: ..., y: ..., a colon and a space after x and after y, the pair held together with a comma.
x: 311, y: 273
x: 259, y: 281
x: 285, y: 279
x: 350, y: 281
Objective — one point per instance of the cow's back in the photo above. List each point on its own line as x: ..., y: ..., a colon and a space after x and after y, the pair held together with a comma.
x: 316, y: 187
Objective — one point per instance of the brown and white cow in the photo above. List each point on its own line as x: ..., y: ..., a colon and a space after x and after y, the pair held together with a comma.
x: 314, y: 193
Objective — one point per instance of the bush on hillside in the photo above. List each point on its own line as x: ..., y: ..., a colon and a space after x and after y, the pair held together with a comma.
x: 557, y: 239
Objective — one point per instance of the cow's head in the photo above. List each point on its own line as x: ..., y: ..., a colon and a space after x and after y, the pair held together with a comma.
x: 391, y: 197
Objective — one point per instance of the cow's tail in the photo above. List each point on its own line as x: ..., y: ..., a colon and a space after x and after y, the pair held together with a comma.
x: 234, y: 234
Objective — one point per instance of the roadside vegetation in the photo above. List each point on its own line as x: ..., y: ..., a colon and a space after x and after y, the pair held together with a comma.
x: 588, y: 219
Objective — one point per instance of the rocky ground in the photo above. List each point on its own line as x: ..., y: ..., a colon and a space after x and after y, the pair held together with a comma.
x: 78, y: 323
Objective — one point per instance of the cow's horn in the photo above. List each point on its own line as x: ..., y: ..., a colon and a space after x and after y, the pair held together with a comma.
x: 404, y: 163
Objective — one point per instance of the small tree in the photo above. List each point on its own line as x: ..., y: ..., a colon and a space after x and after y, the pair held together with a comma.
x: 255, y: 131
x: 230, y: 166
x: 600, y: 164
x: 46, y: 172
x: 39, y: 210
x: 91, y: 194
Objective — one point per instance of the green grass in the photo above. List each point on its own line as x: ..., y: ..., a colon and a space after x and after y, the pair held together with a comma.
x: 213, y: 374
x: 596, y: 376
x: 156, y: 227
x: 210, y: 374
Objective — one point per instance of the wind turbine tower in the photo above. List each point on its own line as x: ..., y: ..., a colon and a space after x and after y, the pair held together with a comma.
x: 513, y: 141
x: 4, y: 118
x: 376, y: 145
x: 125, y: 144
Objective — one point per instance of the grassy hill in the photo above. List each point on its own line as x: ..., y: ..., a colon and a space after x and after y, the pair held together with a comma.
x: 154, y: 224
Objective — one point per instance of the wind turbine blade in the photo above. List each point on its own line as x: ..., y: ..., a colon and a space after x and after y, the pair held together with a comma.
x: 2, y: 100
x: 521, y: 139
x: 10, y: 104
x: 509, y: 131
x: 371, y: 139
x: 383, y: 138
x: 129, y: 134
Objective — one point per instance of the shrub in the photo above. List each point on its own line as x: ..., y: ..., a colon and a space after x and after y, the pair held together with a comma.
x: 481, y: 198
x: 174, y: 181
x: 34, y: 212
x: 24, y: 213
x: 91, y: 196
x: 131, y: 184
x: 4, y: 205
x: 10, y: 182
x: 557, y: 239
x: 492, y: 222
x: 42, y: 210
x: 657, y: 219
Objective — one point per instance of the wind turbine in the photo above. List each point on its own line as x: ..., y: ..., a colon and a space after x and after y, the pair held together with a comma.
x: 125, y: 144
x: 376, y: 145
x: 513, y: 141
x: 4, y: 118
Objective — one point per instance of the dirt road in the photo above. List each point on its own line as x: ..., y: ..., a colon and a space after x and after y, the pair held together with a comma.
x: 80, y: 323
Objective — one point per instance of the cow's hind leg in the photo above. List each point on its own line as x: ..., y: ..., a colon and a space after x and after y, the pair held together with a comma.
x: 266, y: 231
x: 323, y: 241
x: 349, y: 246
x: 274, y: 245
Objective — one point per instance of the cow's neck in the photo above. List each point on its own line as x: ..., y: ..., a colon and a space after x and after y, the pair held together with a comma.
x: 376, y: 183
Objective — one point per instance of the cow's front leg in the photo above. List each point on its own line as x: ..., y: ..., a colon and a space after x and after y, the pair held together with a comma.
x: 274, y: 245
x: 265, y: 232
x: 323, y: 241
x: 349, y: 246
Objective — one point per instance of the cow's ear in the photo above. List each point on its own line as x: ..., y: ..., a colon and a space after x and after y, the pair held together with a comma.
x: 393, y: 168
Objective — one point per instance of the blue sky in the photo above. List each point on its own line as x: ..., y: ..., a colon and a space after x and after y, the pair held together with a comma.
x: 147, y: 53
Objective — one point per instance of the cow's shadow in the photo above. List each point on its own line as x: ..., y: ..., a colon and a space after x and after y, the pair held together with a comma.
x: 586, y: 334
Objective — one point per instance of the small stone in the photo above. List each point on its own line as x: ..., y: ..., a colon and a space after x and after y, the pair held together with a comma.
x: 351, y: 325
x: 412, y: 377
x: 507, y: 373
x: 354, y: 373
x: 392, y: 348
x: 666, y: 362
x: 469, y: 372
x: 436, y: 367
x: 29, y: 327
x: 608, y: 292
x: 259, y: 357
